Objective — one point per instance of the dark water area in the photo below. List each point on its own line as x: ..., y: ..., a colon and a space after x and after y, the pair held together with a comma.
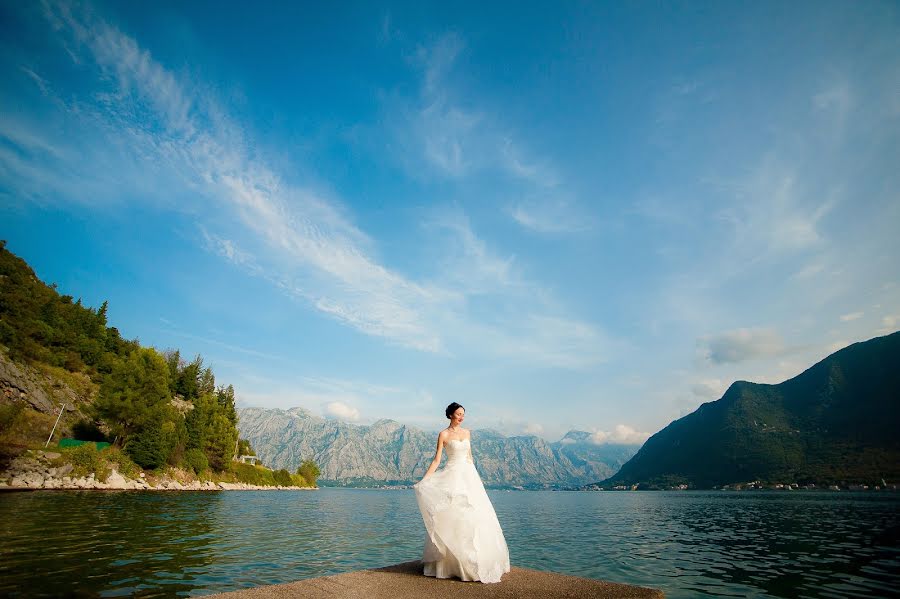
x: 689, y: 544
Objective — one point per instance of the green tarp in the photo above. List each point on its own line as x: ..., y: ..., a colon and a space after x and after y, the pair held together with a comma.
x: 75, y: 443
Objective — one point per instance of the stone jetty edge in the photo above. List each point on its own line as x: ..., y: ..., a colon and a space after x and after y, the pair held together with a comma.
x: 407, y: 580
x: 34, y: 472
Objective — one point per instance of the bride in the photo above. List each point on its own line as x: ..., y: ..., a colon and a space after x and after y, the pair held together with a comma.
x: 464, y: 538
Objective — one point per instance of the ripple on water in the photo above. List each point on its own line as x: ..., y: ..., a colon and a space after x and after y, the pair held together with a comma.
x: 688, y: 544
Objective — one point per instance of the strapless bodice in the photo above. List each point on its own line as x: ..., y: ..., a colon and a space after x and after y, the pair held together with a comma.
x: 457, y: 449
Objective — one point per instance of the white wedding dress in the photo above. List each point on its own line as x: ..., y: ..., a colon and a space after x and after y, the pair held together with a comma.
x: 464, y: 538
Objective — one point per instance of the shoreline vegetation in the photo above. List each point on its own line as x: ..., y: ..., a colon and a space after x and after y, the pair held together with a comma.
x: 138, y: 418
x: 85, y: 467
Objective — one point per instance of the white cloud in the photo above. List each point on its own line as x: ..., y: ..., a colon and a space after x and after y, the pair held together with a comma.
x: 228, y: 249
x: 458, y: 139
x: 341, y: 411
x: 302, y: 241
x: 548, y: 216
x: 470, y: 266
x: 889, y: 324
x: 533, y: 428
x: 39, y: 81
x: 354, y: 400
x: 621, y: 433
x: 541, y: 174
x: 808, y: 271
x: 773, y: 212
x: 527, y: 324
x: 740, y: 345
x: 851, y: 316
x: 199, y: 143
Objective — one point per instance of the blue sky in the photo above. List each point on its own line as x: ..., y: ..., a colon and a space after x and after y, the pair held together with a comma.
x: 582, y: 216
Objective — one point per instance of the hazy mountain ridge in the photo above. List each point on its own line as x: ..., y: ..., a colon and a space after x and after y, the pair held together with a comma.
x: 388, y: 452
x: 836, y: 422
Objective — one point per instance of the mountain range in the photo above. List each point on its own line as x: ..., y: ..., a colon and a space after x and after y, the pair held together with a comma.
x: 390, y: 453
x: 835, y: 423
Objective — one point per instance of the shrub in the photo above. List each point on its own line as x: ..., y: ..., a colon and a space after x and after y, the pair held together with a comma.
x: 123, y: 464
x: 299, y: 481
x: 9, y: 415
x: 196, y: 459
x: 24, y: 427
x: 253, y: 475
x: 85, y: 460
x: 282, y: 477
x: 309, y: 471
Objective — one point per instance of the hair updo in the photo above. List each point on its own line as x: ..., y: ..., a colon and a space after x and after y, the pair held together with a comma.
x: 452, y: 408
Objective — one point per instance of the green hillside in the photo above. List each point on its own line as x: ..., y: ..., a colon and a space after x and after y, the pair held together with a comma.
x: 156, y: 406
x: 836, y: 423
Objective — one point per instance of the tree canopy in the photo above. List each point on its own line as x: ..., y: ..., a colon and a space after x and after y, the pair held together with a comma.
x: 141, y: 389
x: 159, y: 407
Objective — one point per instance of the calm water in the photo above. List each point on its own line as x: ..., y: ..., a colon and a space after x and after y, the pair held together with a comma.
x: 751, y: 544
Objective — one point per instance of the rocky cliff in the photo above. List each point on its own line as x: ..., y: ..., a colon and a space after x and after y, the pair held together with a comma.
x: 30, y: 400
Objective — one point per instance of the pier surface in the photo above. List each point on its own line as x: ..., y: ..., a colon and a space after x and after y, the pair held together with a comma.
x: 407, y: 580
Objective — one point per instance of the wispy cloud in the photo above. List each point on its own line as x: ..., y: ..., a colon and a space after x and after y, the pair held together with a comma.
x: 302, y: 241
x: 772, y: 212
x: 549, y: 216
x: 458, y: 140
x: 221, y: 344
x: 470, y: 266
x: 851, y: 316
x: 208, y: 150
x: 39, y: 81
x: 524, y: 323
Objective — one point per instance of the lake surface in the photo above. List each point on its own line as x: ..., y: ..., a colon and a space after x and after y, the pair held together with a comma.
x: 689, y: 544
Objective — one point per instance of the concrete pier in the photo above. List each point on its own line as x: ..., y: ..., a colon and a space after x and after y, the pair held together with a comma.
x: 407, y: 580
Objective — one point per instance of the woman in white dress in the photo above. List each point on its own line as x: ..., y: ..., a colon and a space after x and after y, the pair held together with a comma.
x: 464, y: 538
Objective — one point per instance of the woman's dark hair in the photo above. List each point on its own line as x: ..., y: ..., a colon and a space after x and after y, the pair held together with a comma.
x: 452, y: 408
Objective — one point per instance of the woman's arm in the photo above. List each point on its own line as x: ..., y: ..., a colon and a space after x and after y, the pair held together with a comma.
x: 437, y: 457
x: 471, y: 459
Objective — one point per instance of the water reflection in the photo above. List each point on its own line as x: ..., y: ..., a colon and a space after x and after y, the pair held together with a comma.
x: 753, y: 544
x: 103, y: 543
x: 713, y: 544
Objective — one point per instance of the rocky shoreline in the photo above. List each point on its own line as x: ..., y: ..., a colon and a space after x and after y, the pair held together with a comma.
x: 36, y: 471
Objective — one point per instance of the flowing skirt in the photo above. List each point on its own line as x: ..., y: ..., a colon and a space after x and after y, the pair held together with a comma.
x: 463, y: 537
